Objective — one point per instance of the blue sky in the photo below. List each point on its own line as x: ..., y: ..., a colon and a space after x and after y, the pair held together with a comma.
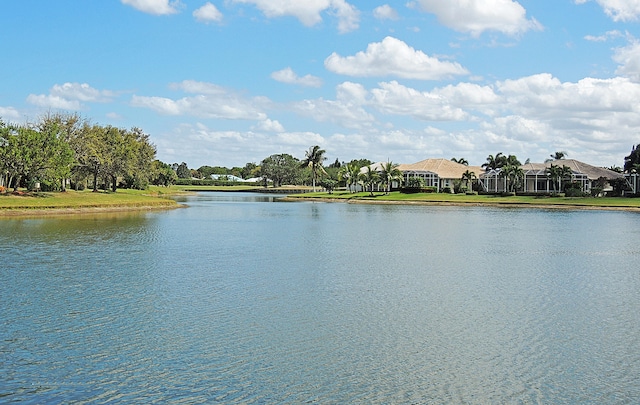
x: 227, y: 82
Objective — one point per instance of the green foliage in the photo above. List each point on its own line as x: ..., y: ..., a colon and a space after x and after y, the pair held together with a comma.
x: 183, y: 171
x: 280, y: 169
x: 61, y: 148
x: 313, y: 160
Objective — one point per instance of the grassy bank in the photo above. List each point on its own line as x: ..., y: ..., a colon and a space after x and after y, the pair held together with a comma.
x: 463, y: 199
x: 78, y: 201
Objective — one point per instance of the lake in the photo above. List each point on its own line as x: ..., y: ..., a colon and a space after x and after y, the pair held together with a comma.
x: 240, y: 298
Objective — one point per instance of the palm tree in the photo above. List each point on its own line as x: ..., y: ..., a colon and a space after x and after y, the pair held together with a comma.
x: 554, y: 173
x: 462, y: 161
x: 494, y: 162
x: 557, y: 156
x: 313, y: 159
x: 388, y: 173
x: 513, y: 174
x: 349, y: 174
x: 369, y: 178
x: 468, y: 177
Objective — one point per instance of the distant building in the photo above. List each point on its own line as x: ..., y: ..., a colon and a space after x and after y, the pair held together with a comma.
x: 536, y: 180
x: 438, y: 173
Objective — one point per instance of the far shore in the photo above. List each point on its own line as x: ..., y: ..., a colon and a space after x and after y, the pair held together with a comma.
x: 27, y: 204
x: 552, y: 203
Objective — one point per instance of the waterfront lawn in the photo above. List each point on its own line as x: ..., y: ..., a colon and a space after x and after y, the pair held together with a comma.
x: 613, y: 202
x: 82, y: 199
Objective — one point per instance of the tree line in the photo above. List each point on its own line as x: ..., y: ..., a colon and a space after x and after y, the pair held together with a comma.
x: 58, y: 151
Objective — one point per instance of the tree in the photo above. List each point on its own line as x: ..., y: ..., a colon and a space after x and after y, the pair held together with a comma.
x: 183, y: 171
x: 388, y: 173
x: 461, y: 161
x: 557, y: 156
x: 33, y: 155
x: 313, y: 160
x: 557, y: 174
x: 369, y: 178
x: 494, y: 162
x: 513, y: 175
x: 162, y: 174
x: 280, y: 169
x: 468, y: 177
x: 631, y: 161
x: 349, y: 174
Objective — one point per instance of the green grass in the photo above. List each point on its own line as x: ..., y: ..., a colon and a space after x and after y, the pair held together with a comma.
x: 613, y: 202
x: 82, y: 199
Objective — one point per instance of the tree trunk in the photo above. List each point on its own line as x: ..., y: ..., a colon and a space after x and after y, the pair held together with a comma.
x: 95, y: 181
x: 114, y: 183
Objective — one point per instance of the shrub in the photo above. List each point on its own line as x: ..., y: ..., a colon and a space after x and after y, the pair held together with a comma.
x: 446, y: 190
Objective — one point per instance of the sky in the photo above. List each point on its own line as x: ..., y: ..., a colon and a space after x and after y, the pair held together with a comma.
x: 229, y: 82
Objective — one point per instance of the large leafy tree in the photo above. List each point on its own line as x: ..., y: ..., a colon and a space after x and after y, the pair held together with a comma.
x: 280, y: 169
x: 313, y: 160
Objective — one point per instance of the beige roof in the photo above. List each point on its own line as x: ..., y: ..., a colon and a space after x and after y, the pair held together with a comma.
x: 592, y: 172
x: 444, y: 168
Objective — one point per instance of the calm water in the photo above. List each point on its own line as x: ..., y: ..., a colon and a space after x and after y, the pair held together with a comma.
x: 241, y: 299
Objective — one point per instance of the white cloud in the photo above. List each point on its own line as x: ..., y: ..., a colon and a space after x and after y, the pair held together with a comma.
x: 155, y: 7
x: 347, y: 110
x: 393, y: 57
x: 619, y: 10
x: 208, y: 13
x: 269, y: 126
x: 394, y: 98
x: 9, y: 113
x: 477, y: 16
x: 629, y: 59
x: 208, y: 101
x: 309, y: 11
x: 605, y: 37
x: 70, y: 96
x: 385, y: 12
x: 287, y: 75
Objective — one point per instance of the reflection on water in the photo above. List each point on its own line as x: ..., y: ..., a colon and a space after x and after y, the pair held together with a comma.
x: 242, y: 299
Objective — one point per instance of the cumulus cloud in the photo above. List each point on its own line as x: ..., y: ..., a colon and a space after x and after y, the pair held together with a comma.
x: 70, y: 96
x: 287, y: 75
x: 155, y: 7
x: 9, y: 113
x: 619, y: 10
x: 269, y: 126
x: 477, y: 16
x: 208, y: 101
x: 394, y: 98
x: 385, y: 12
x: 208, y: 13
x: 628, y: 58
x: 347, y: 110
x: 309, y: 12
x: 393, y: 57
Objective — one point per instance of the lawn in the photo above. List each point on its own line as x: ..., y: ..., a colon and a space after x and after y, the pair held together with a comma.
x: 606, y: 202
x: 83, y: 199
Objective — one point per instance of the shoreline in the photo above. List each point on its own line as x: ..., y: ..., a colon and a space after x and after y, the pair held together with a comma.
x: 64, y: 211
x: 576, y: 207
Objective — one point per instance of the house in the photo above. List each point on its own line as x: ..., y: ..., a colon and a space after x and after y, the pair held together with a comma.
x: 536, y: 180
x: 438, y: 173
